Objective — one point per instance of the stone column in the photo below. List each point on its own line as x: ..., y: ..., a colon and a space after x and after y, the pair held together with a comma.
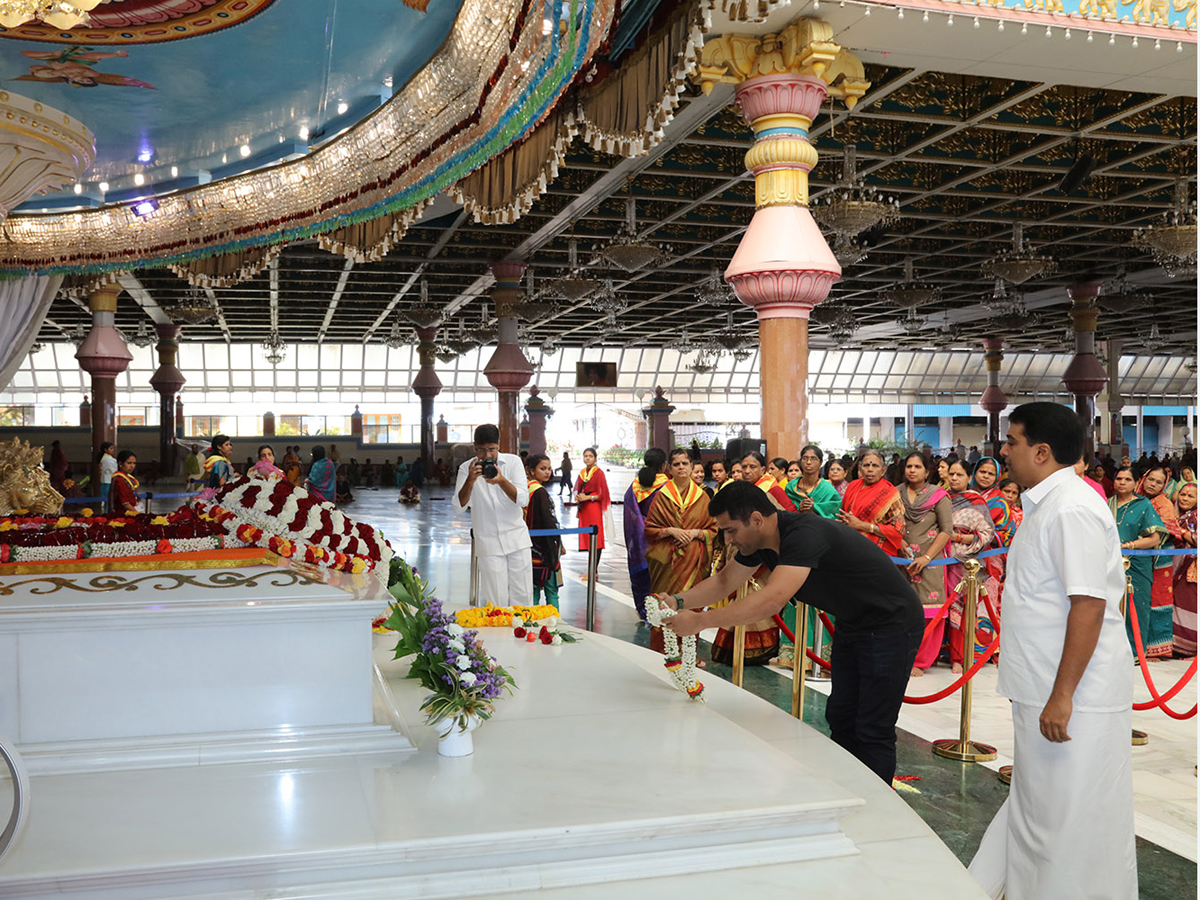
x: 945, y: 432
x: 1085, y: 376
x: 508, y: 370
x: 85, y: 413
x: 178, y: 418
x: 167, y: 381
x: 356, y: 431
x: 993, y: 400
x: 104, y: 356
x: 538, y: 412
x: 658, y: 414
x: 910, y: 425
x: 783, y: 266
x: 269, y: 424
x: 1166, y: 433
x: 443, y: 430
x: 427, y: 385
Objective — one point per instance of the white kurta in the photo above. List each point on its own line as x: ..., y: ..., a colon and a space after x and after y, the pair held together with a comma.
x: 1067, y: 828
x: 502, y: 544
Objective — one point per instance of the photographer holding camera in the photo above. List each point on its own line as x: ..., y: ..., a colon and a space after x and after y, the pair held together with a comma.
x: 492, y: 485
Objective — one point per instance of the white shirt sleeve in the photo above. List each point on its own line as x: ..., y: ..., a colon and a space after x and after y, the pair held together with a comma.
x: 459, y: 482
x: 1079, y: 544
x: 514, y: 470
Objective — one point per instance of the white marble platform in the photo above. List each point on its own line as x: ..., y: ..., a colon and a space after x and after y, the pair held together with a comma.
x: 184, y: 667
x: 594, y: 777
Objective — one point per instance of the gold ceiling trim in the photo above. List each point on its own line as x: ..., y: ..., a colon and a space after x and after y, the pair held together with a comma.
x: 411, y: 148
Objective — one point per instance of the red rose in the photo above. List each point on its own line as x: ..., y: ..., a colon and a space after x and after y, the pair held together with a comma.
x: 163, y: 546
x: 547, y: 637
x: 517, y: 632
x: 530, y: 636
x: 545, y: 631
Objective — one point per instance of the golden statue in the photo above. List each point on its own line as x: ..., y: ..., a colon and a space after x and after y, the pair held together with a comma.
x: 24, y: 483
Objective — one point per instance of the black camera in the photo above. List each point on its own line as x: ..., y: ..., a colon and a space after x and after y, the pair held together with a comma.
x: 488, y: 464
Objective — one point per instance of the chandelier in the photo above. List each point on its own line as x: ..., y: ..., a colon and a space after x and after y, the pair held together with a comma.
x: 483, y: 333
x: 853, y: 206
x: 910, y: 292
x: 848, y: 250
x: 1173, y: 243
x: 424, y: 314
x: 627, y: 251
x: 143, y: 337
x: 454, y: 346
x: 274, y: 349
x: 36, y: 347
x: 731, y: 340
x: 77, y: 334
x: 549, y: 346
x: 573, y: 286
x: 912, y: 321
x: 610, y: 327
x: 531, y: 309
x: 1018, y: 265
x: 706, y: 361
x: 195, y: 308
x: 395, y: 338
x: 1016, y: 316
x: 607, y: 300
x: 445, y: 353
x: 1154, y: 341
x: 1121, y: 298
x: 682, y: 344
x: 64, y: 14
x: 714, y: 291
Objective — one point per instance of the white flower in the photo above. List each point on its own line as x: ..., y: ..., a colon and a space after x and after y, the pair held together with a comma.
x: 463, y: 662
x: 458, y: 645
x: 550, y: 621
x: 467, y: 678
x: 557, y: 639
x: 454, y: 630
x: 518, y: 622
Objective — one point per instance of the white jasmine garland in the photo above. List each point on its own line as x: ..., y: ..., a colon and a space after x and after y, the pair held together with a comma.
x: 685, y: 674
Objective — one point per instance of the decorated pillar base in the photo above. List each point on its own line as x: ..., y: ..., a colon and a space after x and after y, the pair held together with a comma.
x: 104, y: 356
x: 1085, y: 377
x: 427, y: 385
x: 508, y: 371
x: 993, y: 400
x: 658, y: 415
x: 168, y: 381
x: 538, y: 412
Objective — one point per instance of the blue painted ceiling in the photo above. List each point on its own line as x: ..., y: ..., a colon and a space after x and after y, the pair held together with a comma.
x: 258, y: 84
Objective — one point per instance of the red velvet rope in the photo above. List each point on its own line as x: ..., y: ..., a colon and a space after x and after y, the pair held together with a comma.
x: 966, y: 676
x: 1159, y: 701
x: 783, y: 627
x: 825, y: 621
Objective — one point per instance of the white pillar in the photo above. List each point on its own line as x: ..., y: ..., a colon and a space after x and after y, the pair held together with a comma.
x: 1166, y: 432
x: 1136, y: 452
x: 945, y: 432
x: 910, y: 425
x: 887, y: 428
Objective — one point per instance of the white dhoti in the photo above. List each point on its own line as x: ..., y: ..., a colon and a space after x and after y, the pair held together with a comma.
x: 506, y: 580
x: 1066, y: 829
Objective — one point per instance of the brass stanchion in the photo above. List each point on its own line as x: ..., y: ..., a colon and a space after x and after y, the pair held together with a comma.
x: 1138, y: 738
x: 739, y: 644
x: 964, y: 749
x: 1006, y: 774
x: 818, y: 672
x: 798, y: 660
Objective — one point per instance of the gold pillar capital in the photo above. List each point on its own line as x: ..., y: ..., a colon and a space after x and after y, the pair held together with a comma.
x: 805, y: 47
x: 104, y: 299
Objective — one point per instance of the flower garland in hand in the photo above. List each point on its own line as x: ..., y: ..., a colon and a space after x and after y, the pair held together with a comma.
x: 679, y: 661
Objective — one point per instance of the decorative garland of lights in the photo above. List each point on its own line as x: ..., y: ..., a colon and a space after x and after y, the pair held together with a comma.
x: 679, y: 660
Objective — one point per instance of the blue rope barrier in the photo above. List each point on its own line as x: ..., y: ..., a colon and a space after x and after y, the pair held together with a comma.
x: 948, y: 560
x: 551, y: 532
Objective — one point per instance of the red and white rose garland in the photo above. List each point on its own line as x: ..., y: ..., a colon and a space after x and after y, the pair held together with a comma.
x: 288, y: 520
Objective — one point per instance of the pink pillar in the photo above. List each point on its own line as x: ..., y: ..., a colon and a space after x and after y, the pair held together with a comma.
x: 993, y: 400
x: 538, y: 412
x: 782, y: 267
x: 658, y: 414
x: 508, y: 371
x: 427, y: 385
x: 1085, y: 377
x: 167, y: 380
x: 104, y: 356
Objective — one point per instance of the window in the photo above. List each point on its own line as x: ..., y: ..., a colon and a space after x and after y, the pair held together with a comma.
x: 15, y: 416
x: 381, y: 429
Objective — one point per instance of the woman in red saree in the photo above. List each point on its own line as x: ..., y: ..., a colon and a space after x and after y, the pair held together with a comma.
x: 1184, y: 642
x: 974, y: 532
x: 679, y: 534
x: 872, y: 505
x: 591, y: 493
x: 754, y: 470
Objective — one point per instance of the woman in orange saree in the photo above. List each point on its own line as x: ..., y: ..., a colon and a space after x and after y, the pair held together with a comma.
x: 872, y: 506
x: 679, y: 534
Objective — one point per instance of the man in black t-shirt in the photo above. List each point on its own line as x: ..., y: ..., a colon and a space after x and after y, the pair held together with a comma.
x: 831, y: 566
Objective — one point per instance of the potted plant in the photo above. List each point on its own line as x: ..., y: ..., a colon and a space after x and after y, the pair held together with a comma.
x: 449, y: 661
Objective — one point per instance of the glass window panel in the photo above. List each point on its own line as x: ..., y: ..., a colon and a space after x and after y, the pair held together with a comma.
x: 307, y: 377
x: 375, y: 356
x: 331, y: 357
x: 216, y: 356
x: 217, y: 378
x: 241, y: 356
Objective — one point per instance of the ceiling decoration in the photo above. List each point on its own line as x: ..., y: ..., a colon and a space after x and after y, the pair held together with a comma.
x: 61, y: 14
x: 126, y: 21
x: 853, y: 206
x: 1022, y: 262
x: 493, y: 78
x: 1173, y: 241
x: 627, y: 250
x: 41, y: 149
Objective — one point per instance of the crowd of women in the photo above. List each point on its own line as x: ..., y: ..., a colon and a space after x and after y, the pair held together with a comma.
x: 918, y: 508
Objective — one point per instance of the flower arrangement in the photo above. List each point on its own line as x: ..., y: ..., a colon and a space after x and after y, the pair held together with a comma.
x: 33, y: 539
x: 287, y: 519
x: 449, y: 661
x: 679, y: 659
x: 502, y: 616
x: 546, y: 634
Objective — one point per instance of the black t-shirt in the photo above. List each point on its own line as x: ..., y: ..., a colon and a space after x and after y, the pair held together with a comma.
x: 851, y: 577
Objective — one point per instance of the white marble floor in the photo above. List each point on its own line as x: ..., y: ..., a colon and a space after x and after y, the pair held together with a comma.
x: 594, y: 773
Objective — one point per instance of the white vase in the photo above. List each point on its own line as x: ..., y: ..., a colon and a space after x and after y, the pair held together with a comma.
x: 455, y: 740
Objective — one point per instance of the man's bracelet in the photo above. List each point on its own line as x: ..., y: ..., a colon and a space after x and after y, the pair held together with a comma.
x: 678, y: 600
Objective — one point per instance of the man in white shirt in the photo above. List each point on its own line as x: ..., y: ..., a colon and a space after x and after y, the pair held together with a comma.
x: 1066, y: 829
x: 497, y: 503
